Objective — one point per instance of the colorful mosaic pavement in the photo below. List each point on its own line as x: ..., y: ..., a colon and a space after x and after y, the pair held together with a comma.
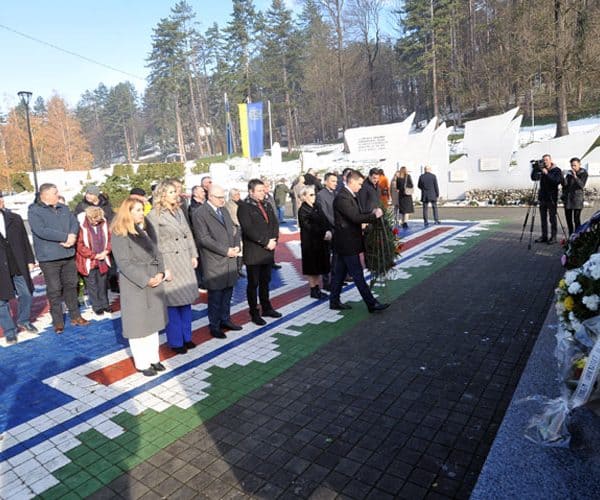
x: 75, y: 413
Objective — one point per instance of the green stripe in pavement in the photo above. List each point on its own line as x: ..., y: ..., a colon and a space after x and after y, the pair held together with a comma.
x: 99, y: 460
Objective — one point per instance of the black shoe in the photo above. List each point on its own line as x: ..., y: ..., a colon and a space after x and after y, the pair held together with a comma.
x: 28, y: 327
x: 230, y: 325
x: 257, y: 320
x: 551, y: 241
x: 543, y: 239
x: 149, y: 372
x: 99, y: 312
x: 378, y: 306
x: 108, y: 310
x: 189, y: 344
x: 272, y: 313
x: 180, y: 350
x: 159, y: 367
x: 339, y: 306
x: 316, y: 293
x: 437, y: 222
x: 276, y: 266
x: 404, y: 225
x: 426, y: 224
x: 218, y: 334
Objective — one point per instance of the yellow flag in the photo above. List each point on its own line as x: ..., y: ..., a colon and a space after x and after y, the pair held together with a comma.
x: 245, y: 137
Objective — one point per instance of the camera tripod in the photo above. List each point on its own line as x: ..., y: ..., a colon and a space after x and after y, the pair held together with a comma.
x: 531, y: 210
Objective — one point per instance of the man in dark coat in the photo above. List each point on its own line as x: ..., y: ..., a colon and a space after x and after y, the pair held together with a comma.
x: 16, y: 261
x: 550, y: 177
x: 325, y: 199
x: 348, y: 243
x: 429, y: 194
x: 260, y: 231
x: 94, y: 198
x: 219, y: 245
x: 368, y: 196
x: 54, y: 229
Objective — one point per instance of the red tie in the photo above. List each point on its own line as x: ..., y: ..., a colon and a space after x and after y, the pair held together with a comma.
x: 263, y: 211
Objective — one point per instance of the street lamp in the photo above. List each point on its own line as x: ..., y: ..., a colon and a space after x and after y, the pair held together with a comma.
x: 25, y: 98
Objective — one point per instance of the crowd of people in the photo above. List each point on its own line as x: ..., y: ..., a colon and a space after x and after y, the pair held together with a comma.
x: 159, y: 252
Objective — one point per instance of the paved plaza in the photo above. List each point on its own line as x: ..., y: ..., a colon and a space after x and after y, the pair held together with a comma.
x: 401, y: 404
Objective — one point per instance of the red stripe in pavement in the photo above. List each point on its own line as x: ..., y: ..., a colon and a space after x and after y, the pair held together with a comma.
x: 124, y: 368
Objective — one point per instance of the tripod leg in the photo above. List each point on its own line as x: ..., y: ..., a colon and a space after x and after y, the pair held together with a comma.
x: 531, y: 228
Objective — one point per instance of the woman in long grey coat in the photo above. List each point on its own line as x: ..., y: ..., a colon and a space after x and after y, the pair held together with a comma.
x: 177, y: 246
x: 141, y: 276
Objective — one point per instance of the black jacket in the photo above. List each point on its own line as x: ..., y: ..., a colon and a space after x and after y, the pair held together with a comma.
x: 348, y: 237
x: 429, y: 187
x: 103, y: 204
x: 573, y: 189
x: 16, y: 238
x: 368, y: 197
x: 548, y: 190
x: 256, y: 231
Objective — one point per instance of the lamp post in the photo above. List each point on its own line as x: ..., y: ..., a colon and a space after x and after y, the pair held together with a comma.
x: 25, y: 98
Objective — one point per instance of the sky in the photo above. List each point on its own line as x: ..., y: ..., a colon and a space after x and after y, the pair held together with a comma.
x: 117, y: 33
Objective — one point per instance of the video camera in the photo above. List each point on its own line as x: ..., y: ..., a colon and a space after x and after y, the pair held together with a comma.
x: 537, y: 165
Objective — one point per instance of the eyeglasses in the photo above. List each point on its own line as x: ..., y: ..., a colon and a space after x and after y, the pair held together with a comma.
x: 218, y: 197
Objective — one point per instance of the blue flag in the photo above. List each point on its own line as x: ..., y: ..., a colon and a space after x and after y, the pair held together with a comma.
x: 255, y: 129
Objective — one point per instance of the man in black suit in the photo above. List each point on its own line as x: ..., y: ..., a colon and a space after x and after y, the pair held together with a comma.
x: 429, y: 194
x: 260, y: 230
x: 219, y: 244
x: 348, y: 243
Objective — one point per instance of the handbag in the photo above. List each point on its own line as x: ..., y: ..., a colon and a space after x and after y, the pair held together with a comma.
x: 408, y: 191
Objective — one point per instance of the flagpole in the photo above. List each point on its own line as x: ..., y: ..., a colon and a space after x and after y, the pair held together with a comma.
x: 270, y: 125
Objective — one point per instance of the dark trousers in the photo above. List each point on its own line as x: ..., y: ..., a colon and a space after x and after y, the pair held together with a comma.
x: 61, y: 284
x: 219, y: 307
x: 259, y: 276
x: 96, y: 285
x: 179, y: 327
x: 573, y: 216
x: 350, y: 264
x: 548, y: 210
x: 435, y: 211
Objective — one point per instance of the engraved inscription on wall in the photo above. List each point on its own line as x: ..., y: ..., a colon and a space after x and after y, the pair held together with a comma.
x: 371, y: 143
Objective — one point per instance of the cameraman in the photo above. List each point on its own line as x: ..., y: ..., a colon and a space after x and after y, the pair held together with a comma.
x: 572, y: 195
x: 550, y: 177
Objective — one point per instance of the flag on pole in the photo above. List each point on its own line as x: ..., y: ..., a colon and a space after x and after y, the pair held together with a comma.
x: 251, y: 129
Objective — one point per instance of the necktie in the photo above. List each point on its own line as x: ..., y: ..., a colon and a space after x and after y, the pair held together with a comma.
x: 263, y: 211
x: 220, y: 216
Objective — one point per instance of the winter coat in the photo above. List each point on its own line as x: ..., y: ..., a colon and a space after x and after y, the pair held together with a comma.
x: 548, y: 189
x: 428, y: 185
x: 17, y: 240
x: 348, y: 236
x: 280, y: 194
x: 143, y: 308
x: 214, y: 240
x: 368, y: 197
x: 50, y: 226
x: 315, y: 250
x: 256, y: 232
x: 573, y: 189
x: 177, y: 246
x: 85, y: 259
x: 103, y: 203
x: 405, y: 201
